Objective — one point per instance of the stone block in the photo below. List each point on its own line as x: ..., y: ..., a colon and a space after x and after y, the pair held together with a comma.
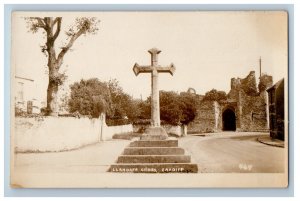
x: 154, y: 143
x: 154, y: 133
x: 154, y: 159
x: 153, y: 137
x: 153, y: 151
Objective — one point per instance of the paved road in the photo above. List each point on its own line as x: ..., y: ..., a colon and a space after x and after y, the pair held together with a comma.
x: 94, y: 158
x: 222, y: 153
x: 230, y: 152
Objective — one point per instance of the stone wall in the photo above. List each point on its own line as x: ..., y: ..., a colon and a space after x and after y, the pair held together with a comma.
x: 248, y: 84
x: 253, y: 116
x: 248, y: 101
x: 52, y: 134
x: 251, y: 101
x: 207, y: 118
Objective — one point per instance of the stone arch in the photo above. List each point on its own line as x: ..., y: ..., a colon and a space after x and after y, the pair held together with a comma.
x: 228, y: 119
x: 191, y: 90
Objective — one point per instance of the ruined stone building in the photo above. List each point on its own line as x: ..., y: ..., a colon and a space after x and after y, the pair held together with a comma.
x: 276, y: 109
x: 245, y: 108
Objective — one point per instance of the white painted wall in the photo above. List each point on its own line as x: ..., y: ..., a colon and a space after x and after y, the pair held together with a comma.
x: 61, y: 133
x: 175, y: 130
x: 109, y: 131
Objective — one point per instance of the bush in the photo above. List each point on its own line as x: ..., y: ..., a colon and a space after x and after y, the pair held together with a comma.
x: 90, y: 97
x: 147, y: 122
x: 214, y: 95
x: 45, y: 111
x: 117, y: 122
x: 177, y: 109
x: 142, y: 122
x: 19, y: 112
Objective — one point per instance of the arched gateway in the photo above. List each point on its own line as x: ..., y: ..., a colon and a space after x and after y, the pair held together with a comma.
x: 229, y: 120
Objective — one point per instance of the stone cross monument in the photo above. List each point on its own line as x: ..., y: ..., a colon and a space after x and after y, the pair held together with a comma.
x: 154, y: 152
x: 155, y: 132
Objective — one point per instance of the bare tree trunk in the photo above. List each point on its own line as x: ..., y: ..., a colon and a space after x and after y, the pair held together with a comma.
x: 52, y: 27
x: 52, y: 105
x: 55, y: 79
x: 53, y: 67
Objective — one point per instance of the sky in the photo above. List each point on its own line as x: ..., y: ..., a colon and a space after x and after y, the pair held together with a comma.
x: 207, y: 49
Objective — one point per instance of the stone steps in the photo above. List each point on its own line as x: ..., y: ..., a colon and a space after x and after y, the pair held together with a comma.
x: 154, y: 143
x: 153, y: 151
x: 154, y: 159
x: 154, y: 156
x: 154, y: 168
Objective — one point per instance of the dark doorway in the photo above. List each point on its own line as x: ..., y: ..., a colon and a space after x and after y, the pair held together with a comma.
x: 229, y: 120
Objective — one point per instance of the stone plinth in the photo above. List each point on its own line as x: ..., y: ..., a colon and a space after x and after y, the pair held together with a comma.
x: 154, y: 143
x: 154, y: 133
x: 154, y: 159
x: 153, y: 151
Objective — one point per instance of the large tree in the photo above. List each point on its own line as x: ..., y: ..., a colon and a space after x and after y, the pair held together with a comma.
x: 170, y: 107
x: 51, y: 27
x: 177, y: 108
x: 123, y: 103
x: 188, y: 106
x: 90, y: 97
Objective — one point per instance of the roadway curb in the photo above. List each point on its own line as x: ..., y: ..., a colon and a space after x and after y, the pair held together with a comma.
x: 269, y: 141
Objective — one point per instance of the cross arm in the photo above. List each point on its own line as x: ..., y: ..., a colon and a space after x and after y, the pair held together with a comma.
x: 169, y: 69
x: 137, y: 69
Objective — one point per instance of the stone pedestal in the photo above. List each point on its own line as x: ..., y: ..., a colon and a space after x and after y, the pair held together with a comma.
x: 154, y: 156
x: 154, y: 133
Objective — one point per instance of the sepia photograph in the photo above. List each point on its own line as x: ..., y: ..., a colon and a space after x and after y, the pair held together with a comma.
x: 181, y: 99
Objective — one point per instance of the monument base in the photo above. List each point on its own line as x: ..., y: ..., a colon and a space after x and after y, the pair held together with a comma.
x: 154, y: 156
x: 154, y: 133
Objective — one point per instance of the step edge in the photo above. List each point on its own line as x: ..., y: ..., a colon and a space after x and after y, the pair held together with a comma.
x: 153, y: 155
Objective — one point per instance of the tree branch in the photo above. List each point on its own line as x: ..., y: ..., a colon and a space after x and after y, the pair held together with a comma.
x: 35, y: 23
x: 69, y: 45
x: 55, y: 21
x: 58, y: 21
x: 40, y: 22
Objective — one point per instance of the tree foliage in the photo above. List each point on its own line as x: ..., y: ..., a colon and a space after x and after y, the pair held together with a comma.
x: 90, y: 97
x: 188, y: 105
x: 170, y: 107
x: 214, y: 95
x: 144, y: 109
x: 177, y: 108
x: 123, y: 105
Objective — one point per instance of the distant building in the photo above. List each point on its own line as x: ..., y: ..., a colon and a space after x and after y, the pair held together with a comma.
x: 191, y: 91
x: 25, y: 95
x: 245, y: 108
x: 276, y: 110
